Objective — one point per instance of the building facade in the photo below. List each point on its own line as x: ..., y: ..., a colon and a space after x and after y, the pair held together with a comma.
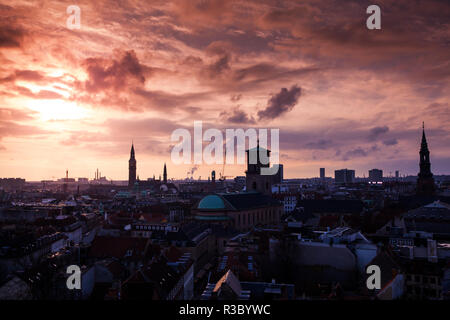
x: 344, y: 176
x: 376, y: 175
x: 241, y: 211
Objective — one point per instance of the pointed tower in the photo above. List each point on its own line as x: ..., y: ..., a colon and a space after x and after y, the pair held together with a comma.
x: 425, y: 181
x: 165, y: 173
x: 131, y: 168
x: 65, y: 186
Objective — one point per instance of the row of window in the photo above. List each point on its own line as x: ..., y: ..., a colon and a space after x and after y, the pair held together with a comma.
x: 425, y: 292
x: 155, y: 227
x: 258, y: 216
x: 424, y: 279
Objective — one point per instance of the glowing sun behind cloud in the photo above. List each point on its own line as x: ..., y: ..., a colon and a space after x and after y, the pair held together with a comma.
x: 57, y: 109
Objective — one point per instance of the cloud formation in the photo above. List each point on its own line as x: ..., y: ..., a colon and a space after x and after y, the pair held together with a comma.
x: 281, y: 103
x: 117, y: 75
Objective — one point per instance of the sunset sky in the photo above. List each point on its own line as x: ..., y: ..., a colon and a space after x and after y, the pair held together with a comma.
x: 342, y: 96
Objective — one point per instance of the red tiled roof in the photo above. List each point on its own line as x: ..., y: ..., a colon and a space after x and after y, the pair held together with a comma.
x: 115, y: 268
x: 152, y: 217
x: 173, y: 254
x: 328, y: 221
x: 117, y: 247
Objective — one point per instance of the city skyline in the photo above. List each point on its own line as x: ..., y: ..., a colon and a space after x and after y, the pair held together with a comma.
x: 329, y: 172
x: 342, y: 96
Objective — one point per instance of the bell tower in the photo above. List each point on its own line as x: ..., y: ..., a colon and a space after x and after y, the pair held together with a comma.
x: 255, y: 181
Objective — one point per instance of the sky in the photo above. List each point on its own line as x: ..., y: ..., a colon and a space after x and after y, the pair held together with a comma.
x: 342, y: 96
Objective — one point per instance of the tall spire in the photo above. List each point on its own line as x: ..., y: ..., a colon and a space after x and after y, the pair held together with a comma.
x: 132, y: 150
x: 424, y: 144
x: 132, y: 167
x: 425, y: 182
x: 165, y: 173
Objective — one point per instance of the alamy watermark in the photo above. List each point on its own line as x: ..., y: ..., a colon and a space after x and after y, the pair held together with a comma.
x: 74, y: 279
x: 74, y: 19
x: 374, y: 280
x: 213, y: 153
x: 374, y: 20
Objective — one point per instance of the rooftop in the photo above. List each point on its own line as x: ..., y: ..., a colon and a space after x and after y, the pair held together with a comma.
x: 236, y: 201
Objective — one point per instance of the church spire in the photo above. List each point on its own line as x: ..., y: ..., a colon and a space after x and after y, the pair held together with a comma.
x: 425, y: 182
x: 132, y: 150
x: 165, y: 173
x: 424, y: 144
x: 132, y: 167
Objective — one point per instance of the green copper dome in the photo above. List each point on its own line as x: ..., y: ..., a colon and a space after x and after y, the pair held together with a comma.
x: 211, y: 202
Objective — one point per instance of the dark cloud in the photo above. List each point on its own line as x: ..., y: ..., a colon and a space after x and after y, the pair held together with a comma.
x: 390, y: 142
x: 217, y: 68
x: 238, y: 116
x: 354, y: 153
x: 281, y: 103
x: 360, y: 152
x: 120, y: 83
x: 321, y: 144
x: 116, y: 74
x: 11, y: 37
x: 376, y: 132
x: 257, y: 71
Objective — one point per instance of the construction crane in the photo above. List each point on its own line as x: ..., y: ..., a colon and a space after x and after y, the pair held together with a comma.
x: 223, y: 177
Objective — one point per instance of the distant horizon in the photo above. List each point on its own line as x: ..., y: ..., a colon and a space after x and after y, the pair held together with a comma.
x: 195, y: 178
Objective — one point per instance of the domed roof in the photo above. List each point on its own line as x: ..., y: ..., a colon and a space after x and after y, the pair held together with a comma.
x: 211, y: 202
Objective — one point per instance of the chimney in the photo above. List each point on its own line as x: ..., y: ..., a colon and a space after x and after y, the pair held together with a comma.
x: 432, y: 251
